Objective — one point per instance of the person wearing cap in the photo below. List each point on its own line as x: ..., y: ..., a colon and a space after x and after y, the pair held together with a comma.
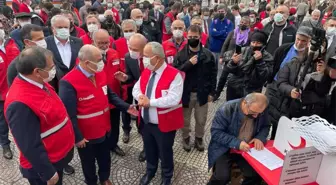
x: 247, y: 68
x: 283, y: 55
x: 150, y: 28
x: 22, y: 19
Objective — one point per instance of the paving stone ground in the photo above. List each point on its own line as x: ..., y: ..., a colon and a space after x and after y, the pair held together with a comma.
x: 190, y: 168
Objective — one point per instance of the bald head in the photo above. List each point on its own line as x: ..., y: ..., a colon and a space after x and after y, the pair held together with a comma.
x: 136, y: 14
x: 137, y: 42
x: 89, y: 53
x: 178, y: 25
x: 101, y: 39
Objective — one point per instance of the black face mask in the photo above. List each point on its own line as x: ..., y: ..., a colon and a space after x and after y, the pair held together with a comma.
x: 193, y: 42
x: 243, y: 27
x: 250, y: 116
x: 221, y: 16
x: 109, y: 18
x: 256, y: 48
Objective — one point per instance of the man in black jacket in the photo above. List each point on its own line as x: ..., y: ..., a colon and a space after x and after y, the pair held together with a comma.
x: 279, y: 31
x: 199, y: 66
x: 150, y: 28
x: 283, y: 55
x: 249, y: 69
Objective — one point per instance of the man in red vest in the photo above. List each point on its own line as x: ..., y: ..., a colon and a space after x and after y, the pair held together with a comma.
x: 93, y: 24
x: 176, y: 43
x: 129, y: 28
x: 38, y: 120
x: 86, y: 96
x: 112, y: 65
x: 159, y: 92
x: 168, y: 20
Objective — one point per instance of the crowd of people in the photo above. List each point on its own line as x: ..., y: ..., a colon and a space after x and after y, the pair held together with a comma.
x: 71, y: 74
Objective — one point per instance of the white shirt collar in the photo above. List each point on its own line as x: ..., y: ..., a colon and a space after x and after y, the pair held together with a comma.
x: 330, y: 39
x: 59, y: 42
x: 161, y: 69
x: 31, y: 81
x: 2, y: 47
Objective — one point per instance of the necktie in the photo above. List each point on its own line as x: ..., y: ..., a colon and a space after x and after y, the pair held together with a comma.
x: 205, y: 27
x: 46, y: 89
x: 93, y: 80
x: 141, y: 65
x: 148, y: 94
x: 104, y: 58
x: 157, y: 15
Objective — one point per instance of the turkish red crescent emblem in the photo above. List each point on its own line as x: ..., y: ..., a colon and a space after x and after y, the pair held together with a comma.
x: 301, y: 145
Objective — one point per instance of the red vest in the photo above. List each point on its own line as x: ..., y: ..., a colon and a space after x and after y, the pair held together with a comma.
x: 3, y: 75
x: 165, y: 35
x: 24, y: 8
x: 87, y: 39
x: 80, y: 32
x: 122, y: 49
x: 93, y: 113
x: 56, y: 128
x: 12, y: 50
x: 169, y: 118
x: 171, y: 50
x: 112, y: 66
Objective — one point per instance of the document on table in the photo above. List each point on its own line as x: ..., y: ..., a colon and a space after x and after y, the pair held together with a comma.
x: 267, y: 158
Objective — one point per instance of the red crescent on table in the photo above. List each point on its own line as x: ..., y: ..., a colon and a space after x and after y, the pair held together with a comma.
x: 301, y: 145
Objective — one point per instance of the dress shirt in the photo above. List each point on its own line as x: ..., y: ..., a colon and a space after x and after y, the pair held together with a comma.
x: 31, y: 81
x: 64, y: 51
x: 170, y: 100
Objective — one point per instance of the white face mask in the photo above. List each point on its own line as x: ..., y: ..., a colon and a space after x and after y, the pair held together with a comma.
x: 128, y: 35
x: 23, y: 23
x: 51, y: 75
x: 178, y: 33
x: 331, y: 31
x: 100, y: 66
x: 278, y: 17
x: 252, y: 20
x: 63, y: 33
x: 101, y: 17
x: 109, y: 5
x: 138, y: 22
x: 147, y: 64
x: 134, y: 55
x: 37, y: 11
x: 297, y: 49
x: 41, y: 43
x: 92, y: 28
x: 205, y: 17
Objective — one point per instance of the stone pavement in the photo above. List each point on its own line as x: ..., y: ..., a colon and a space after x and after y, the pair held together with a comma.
x: 190, y: 168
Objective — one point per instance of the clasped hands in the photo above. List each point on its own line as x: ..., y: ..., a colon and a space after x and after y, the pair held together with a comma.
x: 143, y: 101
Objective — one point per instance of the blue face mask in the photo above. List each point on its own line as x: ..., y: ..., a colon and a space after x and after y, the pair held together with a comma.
x: 278, y: 17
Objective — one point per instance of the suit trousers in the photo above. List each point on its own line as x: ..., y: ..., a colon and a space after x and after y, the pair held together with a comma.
x: 159, y: 145
x: 200, y: 115
x: 126, y: 118
x: 4, y: 141
x: 115, y: 127
x: 222, y: 170
x: 88, y: 157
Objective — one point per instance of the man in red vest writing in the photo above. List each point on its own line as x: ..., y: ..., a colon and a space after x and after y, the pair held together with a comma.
x: 159, y: 92
x: 168, y: 20
x: 86, y: 96
x: 38, y: 120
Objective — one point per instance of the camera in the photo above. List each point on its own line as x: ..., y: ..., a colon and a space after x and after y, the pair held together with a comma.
x: 318, y: 38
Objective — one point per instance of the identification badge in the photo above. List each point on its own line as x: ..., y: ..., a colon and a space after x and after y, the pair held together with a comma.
x: 105, y: 89
x: 116, y: 62
x: 170, y: 59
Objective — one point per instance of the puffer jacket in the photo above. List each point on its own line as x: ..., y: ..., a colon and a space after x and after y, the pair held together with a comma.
x: 225, y: 129
x: 249, y: 75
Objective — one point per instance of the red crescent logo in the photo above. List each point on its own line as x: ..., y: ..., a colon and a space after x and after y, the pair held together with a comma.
x: 301, y: 145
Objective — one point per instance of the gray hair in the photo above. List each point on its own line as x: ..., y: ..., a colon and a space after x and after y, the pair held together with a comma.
x: 256, y: 98
x: 98, y: 32
x: 32, y: 58
x: 129, y: 21
x: 59, y: 18
x: 157, y: 49
x: 316, y: 11
x: 85, y: 53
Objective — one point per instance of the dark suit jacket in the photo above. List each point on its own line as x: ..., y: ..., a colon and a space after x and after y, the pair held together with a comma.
x: 160, y: 20
x: 61, y: 68
x: 332, y: 49
x: 132, y: 69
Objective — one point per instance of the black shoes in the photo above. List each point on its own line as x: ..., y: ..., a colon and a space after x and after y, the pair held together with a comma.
x: 142, y: 156
x: 7, y: 152
x: 145, y: 180
x: 186, y: 144
x: 118, y: 151
x: 68, y: 170
x: 126, y: 137
x: 199, y: 144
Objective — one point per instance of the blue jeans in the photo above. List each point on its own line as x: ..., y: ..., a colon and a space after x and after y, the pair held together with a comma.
x: 4, y: 141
